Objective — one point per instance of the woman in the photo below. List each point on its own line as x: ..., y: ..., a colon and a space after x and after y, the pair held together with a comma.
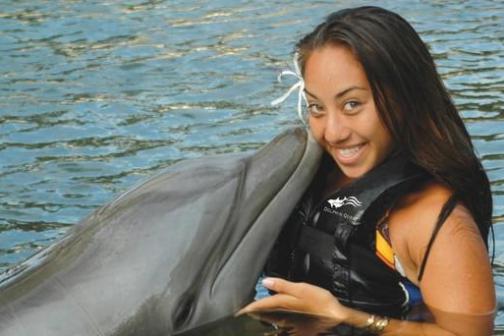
x: 395, y: 225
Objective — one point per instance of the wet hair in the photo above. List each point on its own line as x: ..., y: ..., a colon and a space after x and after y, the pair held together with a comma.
x: 411, y: 99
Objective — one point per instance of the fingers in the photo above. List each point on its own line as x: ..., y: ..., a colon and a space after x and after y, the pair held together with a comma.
x: 283, y: 286
x: 275, y: 302
x: 273, y: 318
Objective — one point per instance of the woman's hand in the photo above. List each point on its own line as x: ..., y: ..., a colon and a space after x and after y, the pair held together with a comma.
x: 299, y: 297
x: 296, y: 324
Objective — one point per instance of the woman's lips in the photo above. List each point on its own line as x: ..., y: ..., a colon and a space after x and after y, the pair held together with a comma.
x: 349, y: 155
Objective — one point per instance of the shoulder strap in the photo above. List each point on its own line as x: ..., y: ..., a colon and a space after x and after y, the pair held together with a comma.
x: 445, y: 212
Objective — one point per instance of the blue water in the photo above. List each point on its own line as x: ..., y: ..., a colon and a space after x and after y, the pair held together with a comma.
x: 97, y: 96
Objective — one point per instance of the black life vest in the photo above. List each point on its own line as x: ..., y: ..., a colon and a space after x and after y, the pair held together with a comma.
x: 332, y: 243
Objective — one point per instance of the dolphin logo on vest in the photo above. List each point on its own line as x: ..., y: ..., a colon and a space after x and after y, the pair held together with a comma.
x: 339, y: 202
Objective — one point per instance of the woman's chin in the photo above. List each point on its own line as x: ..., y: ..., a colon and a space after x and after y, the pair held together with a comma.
x: 353, y: 173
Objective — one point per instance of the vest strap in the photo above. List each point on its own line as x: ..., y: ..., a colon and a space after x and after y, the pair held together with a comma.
x: 315, y: 242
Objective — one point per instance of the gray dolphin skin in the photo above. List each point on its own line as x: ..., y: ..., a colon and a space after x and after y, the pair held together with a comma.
x: 181, y: 250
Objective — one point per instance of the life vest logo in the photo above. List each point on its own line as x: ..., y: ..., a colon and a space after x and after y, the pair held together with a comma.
x: 339, y: 202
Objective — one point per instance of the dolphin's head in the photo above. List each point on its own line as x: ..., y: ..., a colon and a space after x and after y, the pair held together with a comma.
x: 183, y: 249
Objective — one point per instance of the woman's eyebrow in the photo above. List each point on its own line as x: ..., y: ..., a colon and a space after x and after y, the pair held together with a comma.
x: 310, y: 94
x: 347, y: 90
x: 339, y: 94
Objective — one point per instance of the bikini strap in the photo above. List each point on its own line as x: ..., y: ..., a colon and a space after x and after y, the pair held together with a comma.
x: 443, y: 215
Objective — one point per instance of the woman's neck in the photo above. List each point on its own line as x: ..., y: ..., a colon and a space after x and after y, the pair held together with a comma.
x: 333, y: 180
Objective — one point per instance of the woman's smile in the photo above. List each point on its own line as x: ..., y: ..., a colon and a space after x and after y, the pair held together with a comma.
x: 350, y: 154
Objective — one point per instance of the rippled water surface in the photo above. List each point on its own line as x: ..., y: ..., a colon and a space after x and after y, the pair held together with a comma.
x: 96, y: 96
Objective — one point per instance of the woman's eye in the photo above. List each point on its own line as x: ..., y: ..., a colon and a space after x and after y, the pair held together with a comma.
x: 315, y: 109
x: 350, y: 106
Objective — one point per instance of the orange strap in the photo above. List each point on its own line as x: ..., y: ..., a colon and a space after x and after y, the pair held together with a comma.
x: 384, y: 250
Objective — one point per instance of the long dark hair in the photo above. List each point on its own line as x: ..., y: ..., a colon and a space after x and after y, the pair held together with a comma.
x: 411, y: 99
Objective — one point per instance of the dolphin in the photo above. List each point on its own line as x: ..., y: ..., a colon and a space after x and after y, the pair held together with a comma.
x: 179, y: 251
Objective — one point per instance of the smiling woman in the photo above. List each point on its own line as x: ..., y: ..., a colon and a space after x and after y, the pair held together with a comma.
x: 414, y: 246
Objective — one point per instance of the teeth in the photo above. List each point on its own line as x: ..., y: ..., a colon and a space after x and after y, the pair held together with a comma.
x: 348, y: 152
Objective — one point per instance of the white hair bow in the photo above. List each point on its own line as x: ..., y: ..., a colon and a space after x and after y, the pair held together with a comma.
x: 299, y: 85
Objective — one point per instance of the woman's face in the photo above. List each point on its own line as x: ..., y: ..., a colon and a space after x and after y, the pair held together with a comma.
x: 342, y: 113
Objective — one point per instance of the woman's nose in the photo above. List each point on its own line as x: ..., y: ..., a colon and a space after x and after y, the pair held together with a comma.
x: 336, y: 130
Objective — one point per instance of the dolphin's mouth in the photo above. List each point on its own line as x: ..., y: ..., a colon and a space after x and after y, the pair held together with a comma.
x: 183, y: 311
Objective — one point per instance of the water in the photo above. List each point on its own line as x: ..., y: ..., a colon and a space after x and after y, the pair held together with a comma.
x: 96, y: 96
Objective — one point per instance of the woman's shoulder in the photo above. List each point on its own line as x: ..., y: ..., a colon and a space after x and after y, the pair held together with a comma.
x: 413, y: 221
x: 423, y: 206
x: 458, y: 249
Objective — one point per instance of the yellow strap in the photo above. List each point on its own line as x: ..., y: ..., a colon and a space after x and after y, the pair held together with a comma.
x: 384, y: 250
